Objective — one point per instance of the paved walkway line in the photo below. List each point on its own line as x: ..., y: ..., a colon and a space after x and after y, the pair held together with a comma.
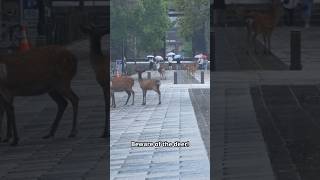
x: 173, y: 120
x: 238, y: 150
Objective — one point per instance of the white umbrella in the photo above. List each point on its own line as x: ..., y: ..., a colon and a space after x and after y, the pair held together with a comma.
x: 150, y: 56
x: 177, y: 56
x: 198, y: 56
x: 171, y: 54
x: 159, y: 58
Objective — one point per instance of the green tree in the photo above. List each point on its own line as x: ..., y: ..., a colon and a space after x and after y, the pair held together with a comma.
x: 194, y: 24
x: 141, y: 24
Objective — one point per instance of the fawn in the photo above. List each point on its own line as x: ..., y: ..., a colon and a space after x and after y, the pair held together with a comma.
x: 148, y: 84
x: 262, y: 23
x: 100, y: 64
x: 38, y: 71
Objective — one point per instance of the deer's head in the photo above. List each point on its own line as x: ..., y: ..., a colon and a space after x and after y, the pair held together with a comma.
x: 95, y: 34
x: 93, y: 31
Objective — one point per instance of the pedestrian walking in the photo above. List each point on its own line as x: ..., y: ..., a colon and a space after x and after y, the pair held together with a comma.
x: 151, y: 62
x: 170, y: 59
x: 289, y: 7
x: 178, y: 58
x: 307, y: 11
x: 200, y: 63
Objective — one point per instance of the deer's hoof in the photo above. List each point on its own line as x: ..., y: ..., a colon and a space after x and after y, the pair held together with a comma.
x: 47, y: 136
x: 73, y: 134
x: 159, y: 103
x: 14, y: 142
x: 104, y: 134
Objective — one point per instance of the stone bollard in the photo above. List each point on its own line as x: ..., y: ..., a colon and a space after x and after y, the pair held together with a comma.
x: 202, y: 77
x: 149, y: 75
x: 175, y: 78
x: 295, y: 53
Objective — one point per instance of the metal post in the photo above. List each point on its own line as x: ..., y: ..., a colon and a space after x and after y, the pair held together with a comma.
x: 175, y: 78
x: 295, y: 50
x: 202, y: 77
x: 149, y: 75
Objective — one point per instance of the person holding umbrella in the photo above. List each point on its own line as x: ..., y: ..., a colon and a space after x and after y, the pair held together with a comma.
x: 178, y: 59
x: 200, y: 60
x: 158, y: 60
x: 151, y: 61
x: 170, y: 56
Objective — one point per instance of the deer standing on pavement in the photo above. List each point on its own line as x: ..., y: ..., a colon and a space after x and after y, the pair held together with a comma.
x: 122, y: 83
x: 99, y: 63
x: 262, y: 23
x: 148, y: 84
x: 38, y: 71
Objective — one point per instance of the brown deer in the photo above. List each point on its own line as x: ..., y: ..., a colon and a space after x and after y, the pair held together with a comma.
x: 262, y: 23
x: 122, y: 83
x: 191, y: 68
x: 38, y: 71
x: 100, y: 64
x: 148, y: 84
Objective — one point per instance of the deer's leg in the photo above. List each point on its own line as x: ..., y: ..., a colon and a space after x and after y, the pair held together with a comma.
x: 2, y: 119
x: 248, y: 39
x: 62, y: 105
x: 7, y: 102
x: 144, y: 97
x: 129, y: 94
x: 254, y: 37
x: 269, y: 43
x: 106, y: 125
x: 9, y: 129
x: 70, y: 95
x: 159, y: 94
x: 113, y: 100
x: 132, y: 96
x: 265, y: 44
x: 12, y: 122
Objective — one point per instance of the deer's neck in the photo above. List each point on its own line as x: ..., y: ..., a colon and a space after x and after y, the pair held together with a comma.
x: 95, y: 48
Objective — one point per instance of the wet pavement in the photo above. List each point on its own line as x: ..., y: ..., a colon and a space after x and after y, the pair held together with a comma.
x: 293, y: 112
x: 174, y: 120
x: 201, y: 105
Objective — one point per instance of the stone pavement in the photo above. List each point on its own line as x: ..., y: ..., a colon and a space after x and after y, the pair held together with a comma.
x: 280, y: 43
x: 63, y: 158
x: 239, y: 149
x: 173, y: 120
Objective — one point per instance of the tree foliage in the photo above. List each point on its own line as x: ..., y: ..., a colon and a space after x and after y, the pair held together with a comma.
x: 194, y: 24
x: 139, y: 23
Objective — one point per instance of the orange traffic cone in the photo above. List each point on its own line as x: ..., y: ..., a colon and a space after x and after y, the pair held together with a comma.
x: 24, y: 44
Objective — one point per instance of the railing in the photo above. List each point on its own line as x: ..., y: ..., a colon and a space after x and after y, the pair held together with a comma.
x: 131, y: 64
